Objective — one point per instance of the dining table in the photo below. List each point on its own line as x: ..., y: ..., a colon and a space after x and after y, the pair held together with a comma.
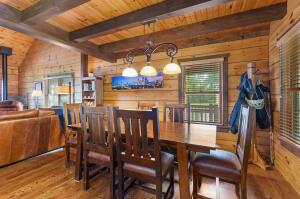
x: 184, y: 137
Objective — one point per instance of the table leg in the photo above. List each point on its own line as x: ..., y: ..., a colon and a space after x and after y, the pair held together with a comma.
x: 183, y: 171
x: 79, y: 156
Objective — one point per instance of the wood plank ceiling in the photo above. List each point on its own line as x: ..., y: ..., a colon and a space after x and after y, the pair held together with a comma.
x: 75, y: 19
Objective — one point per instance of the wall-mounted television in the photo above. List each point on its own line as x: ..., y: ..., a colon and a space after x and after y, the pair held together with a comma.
x: 139, y: 82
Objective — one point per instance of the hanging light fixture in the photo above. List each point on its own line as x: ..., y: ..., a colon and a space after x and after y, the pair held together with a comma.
x: 148, y: 51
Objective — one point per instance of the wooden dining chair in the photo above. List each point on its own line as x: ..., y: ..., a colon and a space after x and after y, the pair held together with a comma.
x: 98, y: 142
x: 71, y: 116
x: 177, y: 113
x: 146, y: 105
x: 227, y: 166
x: 136, y: 158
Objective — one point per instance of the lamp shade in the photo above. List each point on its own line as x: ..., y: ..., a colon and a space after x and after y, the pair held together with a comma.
x: 172, y: 69
x: 148, y: 70
x: 129, y: 72
x: 37, y: 93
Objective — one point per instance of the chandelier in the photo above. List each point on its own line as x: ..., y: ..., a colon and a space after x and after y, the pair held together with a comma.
x: 148, y: 70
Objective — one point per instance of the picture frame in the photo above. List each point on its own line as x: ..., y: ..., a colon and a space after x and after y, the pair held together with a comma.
x: 136, y: 83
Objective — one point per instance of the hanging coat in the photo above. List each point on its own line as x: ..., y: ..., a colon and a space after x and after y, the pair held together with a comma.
x: 244, y: 87
x: 262, y: 115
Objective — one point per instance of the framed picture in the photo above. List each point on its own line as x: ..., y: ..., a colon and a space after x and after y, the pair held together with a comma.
x: 139, y: 82
x: 38, y: 85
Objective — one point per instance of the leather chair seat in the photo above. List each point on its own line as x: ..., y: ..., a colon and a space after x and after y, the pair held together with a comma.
x: 166, y: 161
x: 10, y: 105
x: 95, y: 157
x: 222, y: 164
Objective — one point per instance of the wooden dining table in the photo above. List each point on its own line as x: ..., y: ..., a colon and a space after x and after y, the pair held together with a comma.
x: 185, y: 137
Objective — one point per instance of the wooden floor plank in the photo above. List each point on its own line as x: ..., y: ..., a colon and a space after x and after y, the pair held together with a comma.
x: 45, y: 177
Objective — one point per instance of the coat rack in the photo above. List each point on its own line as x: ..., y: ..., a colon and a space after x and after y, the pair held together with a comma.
x: 255, y: 156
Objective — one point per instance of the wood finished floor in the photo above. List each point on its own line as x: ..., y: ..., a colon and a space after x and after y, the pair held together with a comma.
x: 46, y: 177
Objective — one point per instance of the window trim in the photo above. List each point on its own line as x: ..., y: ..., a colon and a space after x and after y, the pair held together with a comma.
x: 291, y: 146
x: 223, y: 126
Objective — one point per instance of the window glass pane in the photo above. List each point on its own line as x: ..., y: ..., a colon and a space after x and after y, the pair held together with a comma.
x: 296, y: 115
x: 204, y: 107
x: 197, y: 81
x: 202, y: 83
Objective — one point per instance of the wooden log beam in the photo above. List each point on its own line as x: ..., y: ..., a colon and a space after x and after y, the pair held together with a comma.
x: 48, y: 33
x: 163, y: 10
x: 219, y: 37
x: 46, y: 9
x: 260, y: 15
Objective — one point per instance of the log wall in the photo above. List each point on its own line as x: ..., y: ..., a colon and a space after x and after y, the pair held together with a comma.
x: 44, y: 59
x: 287, y: 163
x: 20, y: 44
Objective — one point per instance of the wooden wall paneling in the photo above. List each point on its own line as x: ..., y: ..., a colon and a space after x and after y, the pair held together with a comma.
x: 43, y: 59
x: 20, y: 44
x: 287, y: 163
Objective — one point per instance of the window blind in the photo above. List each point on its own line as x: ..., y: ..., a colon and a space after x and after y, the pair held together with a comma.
x: 289, y: 49
x: 203, y: 89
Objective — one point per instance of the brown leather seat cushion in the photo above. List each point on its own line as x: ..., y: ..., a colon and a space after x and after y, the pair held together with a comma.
x: 166, y: 160
x: 218, y: 163
x: 94, y: 156
x: 11, y: 105
x: 14, y: 115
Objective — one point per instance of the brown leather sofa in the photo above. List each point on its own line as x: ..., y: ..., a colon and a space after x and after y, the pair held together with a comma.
x: 25, y: 134
x: 10, y: 105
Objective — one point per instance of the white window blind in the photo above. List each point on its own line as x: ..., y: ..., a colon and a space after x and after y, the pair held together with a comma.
x: 289, y: 47
x: 203, y: 88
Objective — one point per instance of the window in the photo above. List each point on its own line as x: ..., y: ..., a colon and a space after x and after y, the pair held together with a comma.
x: 289, y: 47
x: 204, y: 86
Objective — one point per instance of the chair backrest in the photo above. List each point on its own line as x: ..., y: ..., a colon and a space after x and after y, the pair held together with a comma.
x: 177, y: 113
x: 246, y: 124
x: 97, y: 127
x: 134, y: 148
x: 71, y: 114
x: 146, y: 105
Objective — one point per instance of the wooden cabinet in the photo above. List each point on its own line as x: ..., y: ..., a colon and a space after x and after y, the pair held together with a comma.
x: 92, y: 91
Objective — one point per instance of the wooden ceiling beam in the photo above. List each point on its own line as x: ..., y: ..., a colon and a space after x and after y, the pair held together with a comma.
x: 46, y: 9
x: 218, y: 37
x: 10, y: 18
x: 251, y: 17
x: 163, y: 10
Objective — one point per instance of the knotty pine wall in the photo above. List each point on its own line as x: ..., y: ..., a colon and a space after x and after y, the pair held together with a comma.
x: 287, y: 163
x: 43, y: 59
x: 20, y: 44
x: 241, y: 52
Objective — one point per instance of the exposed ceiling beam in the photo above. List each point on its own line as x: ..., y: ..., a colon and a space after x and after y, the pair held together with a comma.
x: 46, y: 32
x: 163, y: 10
x: 46, y: 9
x: 218, y: 37
x: 260, y: 15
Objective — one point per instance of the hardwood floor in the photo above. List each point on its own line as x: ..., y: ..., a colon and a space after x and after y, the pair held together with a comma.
x: 46, y: 177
